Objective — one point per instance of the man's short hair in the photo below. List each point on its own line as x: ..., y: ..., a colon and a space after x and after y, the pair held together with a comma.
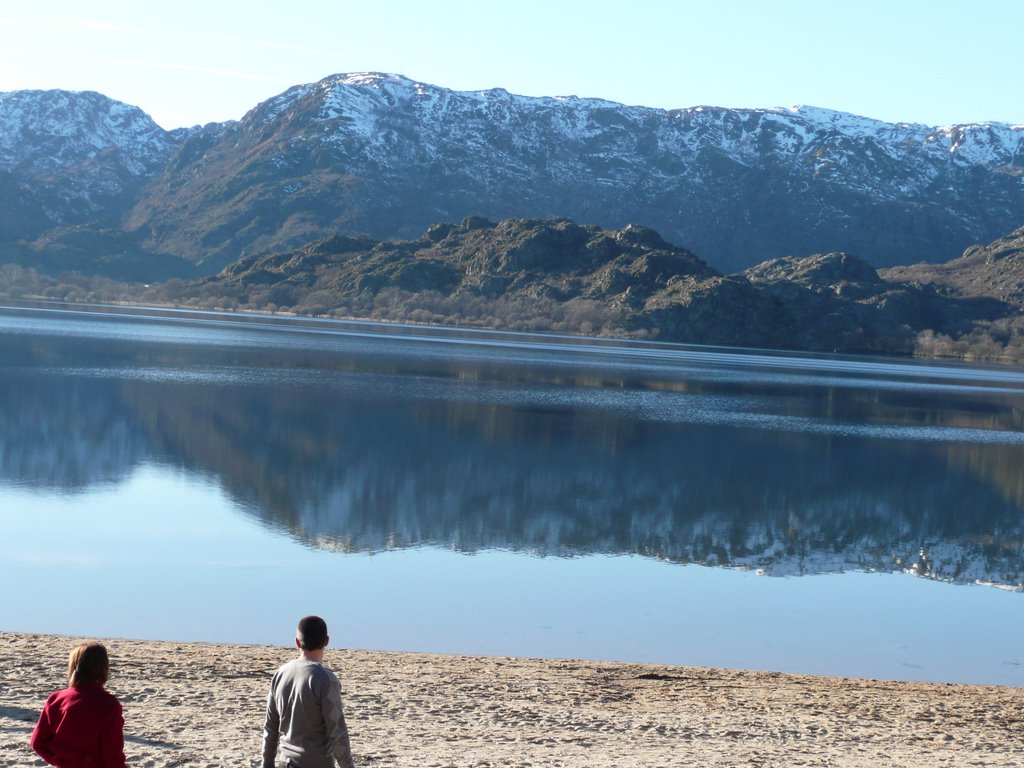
x: 312, y: 633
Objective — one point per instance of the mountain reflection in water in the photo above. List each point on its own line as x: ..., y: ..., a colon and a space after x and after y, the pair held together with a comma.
x: 359, y: 443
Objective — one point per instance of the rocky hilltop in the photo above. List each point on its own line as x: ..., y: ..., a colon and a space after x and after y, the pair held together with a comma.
x: 557, y: 275
x: 995, y: 270
x: 554, y: 274
x: 385, y: 156
x: 71, y: 165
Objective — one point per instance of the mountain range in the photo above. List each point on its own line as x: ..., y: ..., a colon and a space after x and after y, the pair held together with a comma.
x: 93, y: 185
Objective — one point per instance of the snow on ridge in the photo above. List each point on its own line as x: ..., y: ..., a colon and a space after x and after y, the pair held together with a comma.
x: 68, y: 113
x: 373, y: 79
x: 48, y: 128
x: 851, y: 121
x: 378, y: 108
x: 969, y: 143
x: 364, y: 83
x: 379, y: 79
x: 838, y: 118
x: 981, y: 143
x: 361, y: 99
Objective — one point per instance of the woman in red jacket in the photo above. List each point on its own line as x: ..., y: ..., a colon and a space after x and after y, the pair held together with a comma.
x: 82, y: 725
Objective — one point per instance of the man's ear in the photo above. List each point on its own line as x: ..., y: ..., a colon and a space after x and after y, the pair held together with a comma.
x: 298, y: 643
x: 327, y: 640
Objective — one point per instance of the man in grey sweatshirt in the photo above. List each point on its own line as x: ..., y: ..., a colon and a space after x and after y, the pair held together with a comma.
x: 305, y: 720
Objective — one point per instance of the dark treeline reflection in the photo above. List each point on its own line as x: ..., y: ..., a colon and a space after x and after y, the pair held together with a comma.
x: 364, y: 457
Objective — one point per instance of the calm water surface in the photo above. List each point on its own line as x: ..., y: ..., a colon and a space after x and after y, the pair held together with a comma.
x: 202, y: 476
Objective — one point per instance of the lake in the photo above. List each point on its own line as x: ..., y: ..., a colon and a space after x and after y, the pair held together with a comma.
x: 213, y: 476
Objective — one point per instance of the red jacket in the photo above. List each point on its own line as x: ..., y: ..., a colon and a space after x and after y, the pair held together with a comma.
x: 81, y: 727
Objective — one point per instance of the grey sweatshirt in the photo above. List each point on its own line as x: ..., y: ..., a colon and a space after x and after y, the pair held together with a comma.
x: 305, y: 719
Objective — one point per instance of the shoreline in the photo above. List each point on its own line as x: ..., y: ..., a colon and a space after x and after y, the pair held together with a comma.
x: 201, y: 704
x: 968, y: 358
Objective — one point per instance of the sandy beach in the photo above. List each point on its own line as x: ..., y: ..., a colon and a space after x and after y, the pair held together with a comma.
x: 202, y: 705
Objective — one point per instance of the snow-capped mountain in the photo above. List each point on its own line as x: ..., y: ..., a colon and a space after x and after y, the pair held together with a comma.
x: 388, y: 156
x: 54, y: 131
x: 77, y: 157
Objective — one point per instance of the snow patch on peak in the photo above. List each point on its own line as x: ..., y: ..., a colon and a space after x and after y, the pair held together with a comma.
x: 46, y: 130
x: 380, y: 111
x: 399, y: 83
x: 981, y: 143
x: 331, y: 92
x: 845, y: 122
x: 373, y: 79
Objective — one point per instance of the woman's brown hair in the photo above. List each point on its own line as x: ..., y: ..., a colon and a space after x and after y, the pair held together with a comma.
x: 88, y: 663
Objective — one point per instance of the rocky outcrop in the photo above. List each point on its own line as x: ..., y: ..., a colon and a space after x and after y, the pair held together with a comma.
x: 639, y: 283
x: 994, y: 271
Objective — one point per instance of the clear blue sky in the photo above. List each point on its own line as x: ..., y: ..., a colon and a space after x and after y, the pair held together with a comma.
x: 190, y: 61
